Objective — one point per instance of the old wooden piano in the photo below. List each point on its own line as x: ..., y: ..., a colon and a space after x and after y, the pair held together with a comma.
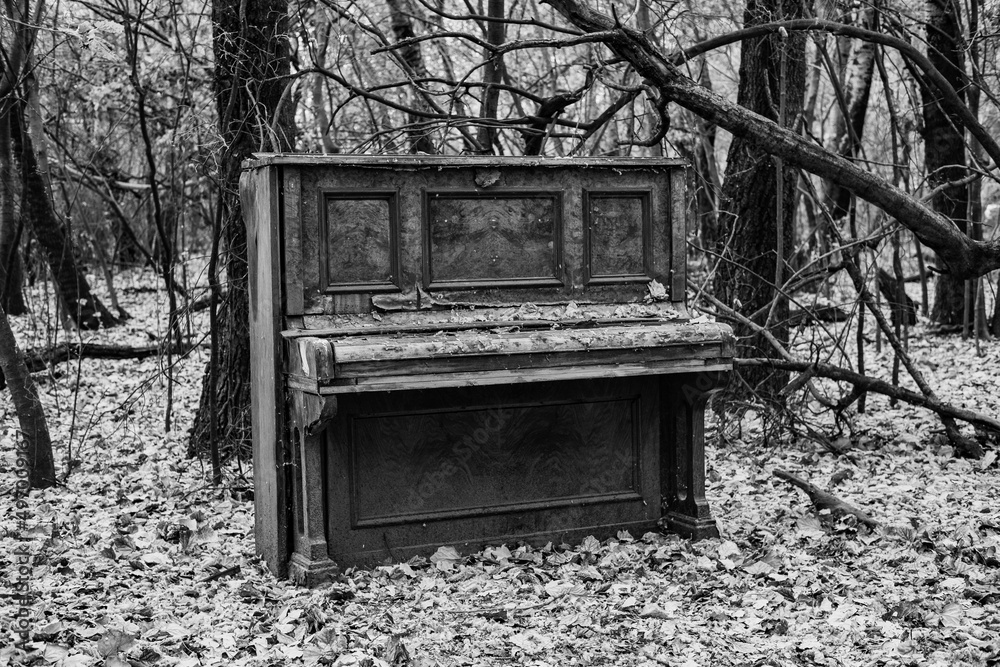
x: 471, y: 350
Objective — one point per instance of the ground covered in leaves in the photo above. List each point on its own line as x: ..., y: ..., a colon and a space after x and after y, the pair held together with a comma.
x: 137, y: 559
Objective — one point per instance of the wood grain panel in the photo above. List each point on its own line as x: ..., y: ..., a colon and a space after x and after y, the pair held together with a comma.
x: 261, y: 207
x: 359, y: 249
x: 471, y: 462
x: 618, y: 236
x: 581, y: 458
x: 495, y: 238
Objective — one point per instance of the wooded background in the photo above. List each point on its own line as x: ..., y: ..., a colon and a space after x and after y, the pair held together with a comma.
x: 840, y: 151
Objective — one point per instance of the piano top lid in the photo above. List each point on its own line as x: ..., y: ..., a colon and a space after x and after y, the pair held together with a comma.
x: 409, y: 161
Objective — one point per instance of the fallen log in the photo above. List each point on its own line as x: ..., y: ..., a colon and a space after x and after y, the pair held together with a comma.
x: 823, y: 500
x: 40, y: 359
x: 865, y: 383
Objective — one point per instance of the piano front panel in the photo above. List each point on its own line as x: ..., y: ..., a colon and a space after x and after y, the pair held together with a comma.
x: 492, y: 238
x: 618, y: 236
x: 521, y: 233
x: 361, y: 252
x: 496, y: 462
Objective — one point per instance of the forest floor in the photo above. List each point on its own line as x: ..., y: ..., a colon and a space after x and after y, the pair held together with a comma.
x: 138, y: 560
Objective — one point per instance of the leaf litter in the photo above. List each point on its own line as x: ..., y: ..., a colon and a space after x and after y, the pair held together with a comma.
x: 137, y: 560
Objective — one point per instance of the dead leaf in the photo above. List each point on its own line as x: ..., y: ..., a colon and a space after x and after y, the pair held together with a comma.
x: 728, y: 549
x: 156, y: 558
x: 557, y: 588
x: 445, y: 558
x: 653, y: 611
x: 531, y: 642
x: 113, y: 642
x: 590, y: 545
x: 757, y: 569
x: 396, y: 654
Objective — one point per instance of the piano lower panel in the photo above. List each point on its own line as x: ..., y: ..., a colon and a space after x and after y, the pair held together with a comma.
x: 539, y: 462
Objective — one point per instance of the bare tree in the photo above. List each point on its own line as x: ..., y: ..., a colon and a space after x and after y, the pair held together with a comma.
x: 251, y: 77
x: 758, y: 193
x: 30, y: 416
x: 944, y: 146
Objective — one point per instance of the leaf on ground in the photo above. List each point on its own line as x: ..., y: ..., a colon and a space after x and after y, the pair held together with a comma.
x: 396, y: 654
x: 952, y: 615
x: 558, y: 588
x: 497, y: 554
x: 531, y: 642
x: 113, y: 642
x: 728, y: 549
x: 445, y: 558
x: 590, y: 545
x: 758, y: 568
x: 156, y: 558
x: 653, y: 611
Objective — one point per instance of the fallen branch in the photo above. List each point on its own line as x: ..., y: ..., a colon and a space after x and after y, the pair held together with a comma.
x: 39, y: 360
x: 963, y: 446
x: 865, y: 383
x: 823, y: 500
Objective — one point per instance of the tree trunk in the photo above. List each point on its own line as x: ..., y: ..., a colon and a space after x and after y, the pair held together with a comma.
x: 30, y: 416
x: 749, y: 238
x: 698, y: 148
x: 82, y: 306
x: 317, y: 86
x: 412, y: 56
x: 11, y: 282
x: 849, y: 117
x: 492, y: 75
x: 251, y: 69
x: 944, y: 145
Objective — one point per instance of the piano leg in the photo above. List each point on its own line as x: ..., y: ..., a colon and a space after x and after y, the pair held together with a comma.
x: 682, y: 452
x: 310, y: 563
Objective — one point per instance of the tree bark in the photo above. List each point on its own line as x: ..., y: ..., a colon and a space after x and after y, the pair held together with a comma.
x: 11, y: 281
x: 963, y: 256
x: 944, y: 146
x: 30, y: 416
x: 251, y: 69
x: 698, y: 148
x: 849, y: 118
x: 749, y: 237
x: 492, y: 74
x: 412, y: 56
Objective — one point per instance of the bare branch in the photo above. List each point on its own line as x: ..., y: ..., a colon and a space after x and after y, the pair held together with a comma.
x: 950, y: 98
x: 964, y: 257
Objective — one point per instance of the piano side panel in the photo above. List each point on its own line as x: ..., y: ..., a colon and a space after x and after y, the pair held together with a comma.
x: 259, y: 191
